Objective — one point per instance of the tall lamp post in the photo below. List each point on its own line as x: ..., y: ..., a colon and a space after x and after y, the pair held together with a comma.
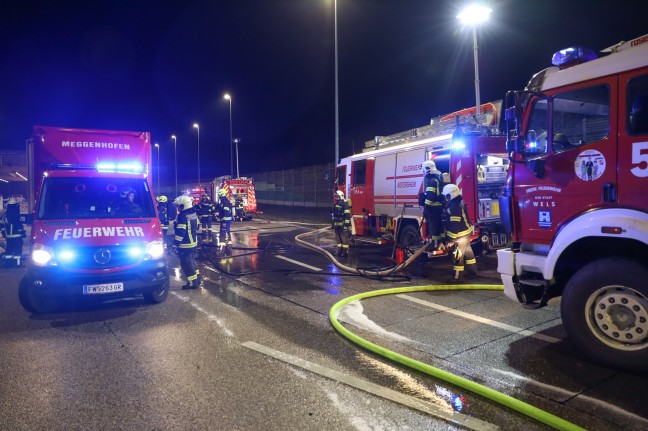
x: 226, y: 96
x: 236, y: 141
x: 175, y: 162
x: 157, y: 192
x: 197, y: 127
x: 337, y: 111
x: 473, y: 15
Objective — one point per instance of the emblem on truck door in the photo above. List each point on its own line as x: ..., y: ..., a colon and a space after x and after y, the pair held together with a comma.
x: 102, y: 256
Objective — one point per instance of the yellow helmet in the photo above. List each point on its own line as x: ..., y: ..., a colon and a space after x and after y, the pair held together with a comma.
x: 162, y: 199
x: 222, y: 191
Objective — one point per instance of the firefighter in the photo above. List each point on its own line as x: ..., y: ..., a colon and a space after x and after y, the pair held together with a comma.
x: 341, y: 223
x: 225, y: 215
x: 240, y: 208
x: 167, y: 215
x: 459, y: 229
x: 14, y: 232
x: 186, y: 240
x: 206, y: 211
x: 433, y: 204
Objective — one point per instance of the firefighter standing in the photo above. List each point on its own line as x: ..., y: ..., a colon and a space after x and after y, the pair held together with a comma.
x: 166, y: 213
x: 433, y: 204
x: 185, y: 241
x: 459, y: 229
x: 341, y: 223
x: 14, y: 232
x: 205, y: 212
x: 225, y: 215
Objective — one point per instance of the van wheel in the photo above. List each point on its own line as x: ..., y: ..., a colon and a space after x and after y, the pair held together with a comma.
x: 159, y: 294
x: 604, y: 310
x: 408, y: 237
x: 33, y: 300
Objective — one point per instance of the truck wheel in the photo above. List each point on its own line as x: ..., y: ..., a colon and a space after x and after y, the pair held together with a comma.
x: 33, y: 300
x: 158, y: 295
x: 408, y: 237
x: 604, y: 310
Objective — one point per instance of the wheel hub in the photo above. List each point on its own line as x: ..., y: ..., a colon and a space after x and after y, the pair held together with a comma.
x: 621, y: 314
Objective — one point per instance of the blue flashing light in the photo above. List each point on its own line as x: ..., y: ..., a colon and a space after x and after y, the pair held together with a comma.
x: 126, y: 167
x: 572, y: 55
x: 458, y: 144
x: 66, y: 255
x: 135, y: 251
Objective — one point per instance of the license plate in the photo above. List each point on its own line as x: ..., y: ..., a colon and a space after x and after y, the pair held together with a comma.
x: 98, y: 289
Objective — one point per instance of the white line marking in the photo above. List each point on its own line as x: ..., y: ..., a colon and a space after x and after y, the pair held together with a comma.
x: 296, y: 262
x: 480, y: 319
x: 372, y: 388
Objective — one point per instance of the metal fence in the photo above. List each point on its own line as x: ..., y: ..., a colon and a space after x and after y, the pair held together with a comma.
x: 309, y: 186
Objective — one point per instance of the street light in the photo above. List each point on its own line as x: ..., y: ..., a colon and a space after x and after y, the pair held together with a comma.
x: 337, y: 112
x: 175, y: 162
x: 236, y: 141
x: 473, y: 15
x: 226, y: 96
x: 198, y: 129
x: 158, y: 169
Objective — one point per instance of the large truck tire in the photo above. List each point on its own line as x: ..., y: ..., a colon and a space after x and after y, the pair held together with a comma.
x: 158, y: 295
x: 604, y: 310
x: 33, y: 300
x: 409, y: 236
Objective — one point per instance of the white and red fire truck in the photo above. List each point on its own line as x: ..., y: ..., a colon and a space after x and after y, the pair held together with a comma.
x: 576, y: 198
x: 89, y: 239
x: 383, y: 182
x: 240, y: 192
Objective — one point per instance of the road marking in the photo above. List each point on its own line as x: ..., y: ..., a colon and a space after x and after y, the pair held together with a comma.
x: 480, y: 319
x: 372, y: 388
x: 296, y: 262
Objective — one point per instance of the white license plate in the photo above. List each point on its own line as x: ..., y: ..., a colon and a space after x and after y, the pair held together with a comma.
x: 98, y: 289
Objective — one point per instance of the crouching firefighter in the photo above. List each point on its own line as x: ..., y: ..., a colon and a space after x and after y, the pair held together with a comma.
x: 341, y: 223
x: 186, y: 240
x: 225, y: 215
x: 459, y: 229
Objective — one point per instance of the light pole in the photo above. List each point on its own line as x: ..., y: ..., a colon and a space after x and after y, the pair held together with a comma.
x: 236, y: 141
x: 175, y: 162
x: 473, y: 15
x: 198, y: 129
x: 337, y: 112
x: 226, y: 96
x: 158, y: 169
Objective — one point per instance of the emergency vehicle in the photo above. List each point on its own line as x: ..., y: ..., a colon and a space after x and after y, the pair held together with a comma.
x: 89, y: 239
x: 241, y: 194
x: 576, y: 198
x: 383, y: 182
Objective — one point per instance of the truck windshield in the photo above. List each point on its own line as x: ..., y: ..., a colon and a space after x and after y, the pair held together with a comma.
x: 86, y: 198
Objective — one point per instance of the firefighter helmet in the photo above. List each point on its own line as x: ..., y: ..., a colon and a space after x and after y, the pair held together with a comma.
x: 429, y: 167
x: 451, y: 191
x: 183, y: 202
x: 339, y: 194
x: 162, y: 199
x: 222, y: 191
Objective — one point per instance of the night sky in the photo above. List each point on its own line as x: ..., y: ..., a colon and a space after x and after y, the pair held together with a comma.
x: 160, y: 66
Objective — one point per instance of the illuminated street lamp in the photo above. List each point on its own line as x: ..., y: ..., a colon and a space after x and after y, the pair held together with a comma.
x: 236, y: 141
x: 175, y: 162
x: 473, y: 15
x: 226, y: 96
x: 158, y: 169
x: 337, y: 111
x: 198, y: 129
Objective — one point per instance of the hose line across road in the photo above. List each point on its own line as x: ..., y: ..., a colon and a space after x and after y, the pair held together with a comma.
x: 474, y: 387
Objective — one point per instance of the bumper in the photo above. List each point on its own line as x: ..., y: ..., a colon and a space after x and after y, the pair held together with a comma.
x: 142, y: 279
x: 506, y: 269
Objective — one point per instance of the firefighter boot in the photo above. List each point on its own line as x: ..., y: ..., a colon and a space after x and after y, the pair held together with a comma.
x: 457, y: 277
x: 228, y: 249
x: 197, y: 283
x: 471, y: 271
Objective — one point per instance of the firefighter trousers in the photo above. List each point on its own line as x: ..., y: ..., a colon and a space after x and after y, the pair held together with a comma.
x: 189, y: 265
x: 432, y: 215
x: 342, y: 239
x: 462, y: 253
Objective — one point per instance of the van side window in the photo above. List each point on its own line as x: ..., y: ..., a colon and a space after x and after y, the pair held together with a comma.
x: 637, y: 106
x: 360, y: 173
x: 580, y: 117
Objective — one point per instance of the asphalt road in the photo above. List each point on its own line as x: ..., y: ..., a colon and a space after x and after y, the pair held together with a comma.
x: 255, y: 350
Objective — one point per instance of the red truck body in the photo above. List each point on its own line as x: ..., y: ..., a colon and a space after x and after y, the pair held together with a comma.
x: 88, y: 239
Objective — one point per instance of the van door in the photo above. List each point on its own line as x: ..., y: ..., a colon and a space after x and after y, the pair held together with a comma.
x: 362, y: 179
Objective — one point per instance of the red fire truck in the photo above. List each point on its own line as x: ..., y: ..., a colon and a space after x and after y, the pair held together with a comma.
x: 95, y: 229
x: 240, y: 193
x: 576, y: 198
x: 384, y: 181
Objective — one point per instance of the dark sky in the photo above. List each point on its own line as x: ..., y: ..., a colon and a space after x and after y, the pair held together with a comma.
x: 160, y: 66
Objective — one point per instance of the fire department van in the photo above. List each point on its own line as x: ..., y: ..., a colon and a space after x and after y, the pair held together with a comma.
x: 95, y: 229
x: 384, y: 181
x: 576, y: 198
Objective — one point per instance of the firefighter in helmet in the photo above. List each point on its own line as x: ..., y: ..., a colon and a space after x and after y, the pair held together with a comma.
x: 205, y: 212
x: 459, y: 229
x: 341, y: 223
x: 14, y: 232
x: 225, y: 215
x: 185, y: 241
x: 433, y: 204
x: 166, y: 213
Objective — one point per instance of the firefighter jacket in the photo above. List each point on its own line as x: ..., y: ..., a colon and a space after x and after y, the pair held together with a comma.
x: 225, y: 209
x: 12, y: 227
x: 457, y: 222
x: 341, y: 214
x: 432, y: 184
x: 205, y: 208
x: 163, y: 213
x: 186, y: 229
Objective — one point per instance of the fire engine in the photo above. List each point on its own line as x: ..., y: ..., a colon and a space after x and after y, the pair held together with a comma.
x: 95, y: 230
x: 384, y: 181
x: 241, y: 194
x: 576, y: 198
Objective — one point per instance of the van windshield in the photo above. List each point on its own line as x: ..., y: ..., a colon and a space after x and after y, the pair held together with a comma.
x: 87, y: 198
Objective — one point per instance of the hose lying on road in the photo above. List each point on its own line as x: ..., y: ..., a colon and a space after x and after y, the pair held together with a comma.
x: 506, y: 400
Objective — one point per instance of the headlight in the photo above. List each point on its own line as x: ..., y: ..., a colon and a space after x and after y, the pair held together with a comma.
x: 42, y: 255
x: 154, y: 249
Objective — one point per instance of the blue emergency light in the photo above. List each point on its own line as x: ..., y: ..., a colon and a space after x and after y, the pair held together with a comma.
x: 128, y: 168
x: 572, y: 56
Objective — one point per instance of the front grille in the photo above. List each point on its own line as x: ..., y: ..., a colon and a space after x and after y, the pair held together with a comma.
x: 85, y: 257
